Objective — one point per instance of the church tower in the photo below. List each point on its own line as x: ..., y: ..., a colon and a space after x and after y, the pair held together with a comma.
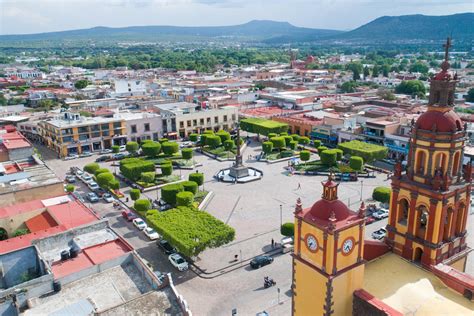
x: 429, y: 203
x: 328, y: 263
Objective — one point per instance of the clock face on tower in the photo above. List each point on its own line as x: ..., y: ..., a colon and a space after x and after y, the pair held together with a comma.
x: 311, y: 243
x: 347, y: 246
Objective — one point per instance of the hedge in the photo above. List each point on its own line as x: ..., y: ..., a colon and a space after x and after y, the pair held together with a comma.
x: 229, y: 144
x: 208, y: 132
x: 286, y: 154
x: 114, y: 185
x: 303, y: 140
x: 283, y: 134
x: 328, y: 157
x: 133, y: 169
x: 241, y: 141
x: 356, y: 163
x: 104, y: 179
x: 339, y: 154
x: 267, y: 147
x: 70, y: 188
x: 293, y: 144
x: 190, y: 230
x: 131, y: 147
x: 151, y: 212
x: 196, y: 177
x: 170, y: 148
x: 148, y: 177
x: 187, y: 153
x: 271, y: 135
x: 163, y: 140
x: 262, y: 126
x: 193, y: 137
x: 101, y: 170
x: 166, y: 169
x: 213, y: 141
x: 184, y: 198
x: 295, y: 137
x: 305, y: 155
x: 278, y: 142
x: 115, y: 149
x: 169, y: 191
x: 134, y: 194
x: 202, y: 142
x: 91, y: 167
x: 151, y: 149
x: 288, y: 139
x: 190, y: 186
x: 321, y: 149
x: 368, y: 152
x: 223, y: 135
x: 382, y: 194
x: 141, y: 206
x: 287, y: 229
x: 316, y: 143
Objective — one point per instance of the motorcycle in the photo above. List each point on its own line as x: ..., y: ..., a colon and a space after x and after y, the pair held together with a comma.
x: 268, y: 282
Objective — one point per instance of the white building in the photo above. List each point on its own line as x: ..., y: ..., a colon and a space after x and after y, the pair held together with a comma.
x: 142, y: 125
x: 130, y: 87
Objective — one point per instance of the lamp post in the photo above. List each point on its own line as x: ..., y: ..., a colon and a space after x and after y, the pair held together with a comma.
x: 361, y: 188
x: 281, y: 215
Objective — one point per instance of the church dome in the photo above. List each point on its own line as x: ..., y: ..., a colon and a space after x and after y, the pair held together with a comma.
x: 444, y: 122
x: 323, y: 209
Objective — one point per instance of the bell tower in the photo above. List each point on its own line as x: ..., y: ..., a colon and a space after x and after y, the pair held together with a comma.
x: 429, y: 202
x: 327, y: 260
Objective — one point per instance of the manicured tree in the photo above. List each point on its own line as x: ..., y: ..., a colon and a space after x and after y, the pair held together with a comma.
x: 305, y: 155
x: 190, y: 186
x: 152, y: 212
x: 278, y: 142
x: 101, y: 170
x: 163, y: 140
x: 267, y: 147
x: 213, y: 141
x: 104, y: 179
x: 115, y: 149
x: 328, y: 157
x: 131, y: 147
x: 145, y: 141
x: 148, y: 177
x: 91, y: 167
x: 170, y: 148
x: 271, y: 135
x: 187, y: 153
x: 208, y: 132
x: 339, y: 154
x: 356, y: 163
x: 321, y: 149
x: 169, y: 192
x: 202, y: 141
x: 316, y: 143
x: 382, y: 194
x: 193, y: 137
x: 133, y: 169
x: 295, y: 137
x: 303, y: 140
x: 184, y: 198
x: 141, y: 206
x: 287, y: 229
x: 293, y: 144
x: 70, y: 188
x: 114, y: 184
x: 134, y: 194
x: 284, y: 134
x: 223, y: 135
x: 229, y: 144
x: 197, y: 177
x: 166, y: 169
x: 288, y: 139
x: 151, y: 149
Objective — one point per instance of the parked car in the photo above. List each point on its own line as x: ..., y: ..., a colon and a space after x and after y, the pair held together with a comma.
x: 128, y: 215
x: 161, y: 205
x: 71, y: 156
x: 118, y: 156
x: 139, y: 223
x: 92, y: 197
x: 260, y: 261
x: 369, y: 220
x: 185, y: 144
x: 93, y: 186
x: 178, y: 262
x: 70, y: 179
x: 86, y: 177
x: 379, y: 234
x: 78, y: 172
x: 99, y: 191
x: 108, y: 197
x: 151, y: 233
x: 85, y: 154
x: 105, y: 151
x: 103, y: 158
x: 165, y: 246
x: 380, y: 214
x: 123, y: 147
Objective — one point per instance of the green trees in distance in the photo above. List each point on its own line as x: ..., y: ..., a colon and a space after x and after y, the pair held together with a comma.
x: 184, y: 198
x: 131, y: 147
x: 419, y: 67
x: 115, y: 149
x: 169, y: 192
x: 170, y: 148
x: 267, y: 147
x: 81, y: 84
x: 151, y: 149
x: 385, y: 94
x: 187, y: 153
x: 375, y: 71
x: 91, y: 167
x: 278, y: 142
x: 348, y: 87
x: 369, y: 152
x: 305, y: 155
x: 134, y: 194
x: 196, y: 177
x: 356, y: 163
x: 382, y: 194
x: 366, y: 72
x: 411, y: 87
x: 288, y: 229
x: 262, y: 126
x: 356, y: 69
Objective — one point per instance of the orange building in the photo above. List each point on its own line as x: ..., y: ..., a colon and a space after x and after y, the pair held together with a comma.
x: 299, y: 124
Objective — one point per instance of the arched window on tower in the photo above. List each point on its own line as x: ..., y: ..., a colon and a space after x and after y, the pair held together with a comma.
x: 455, y: 169
x: 460, y: 219
x: 420, y: 162
x: 447, y: 224
x: 403, y: 207
x: 422, y: 221
x: 440, y: 162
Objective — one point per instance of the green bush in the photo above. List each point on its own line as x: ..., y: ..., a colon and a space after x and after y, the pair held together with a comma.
x: 114, y: 185
x: 382, y: 194
x: 305, y: 155
x: 104, y: 179
x: 169, y: 192
x: 21, y: 232
x: 303, y: 140
x: 133, y: 169
x: 193, y: 137
x: 293, y: 144
x: 151, y: 149
x: 287, y: 229
x: 70, y: 188
x: 170, y: 148
x: 339, y: 154
x: 295, y: 137
x: 356, y: 163
x: 328, y: 157
x: 141, y: 206
x: 163, y: 140
x: 101, y: 170
x: 288, y: 140
x: 197, y: 177
x: 271, y: 135
x: 91, y: 167
x: 135, y: 194
x: 368, y: 152
x: 187, y: 153
x: 131, y: 147
x: 316, y: 143
x: 267, y: 147
x: 321, y: 149
x: 213, y: 141
x: 202, y: 141
x: 229, y: 144
x: 145, y: 141
x: 208, y: 132
x: 152, y: 212
x: 148, y: 177
x: 190, y: 186
x: 115, y: 149
x: 184, y: 198
x: 166, y: 169
x: 223, y: 135
x: 278, y: 142
x: 262, y: 126
x: 286, y: 154
x: 283, y: 134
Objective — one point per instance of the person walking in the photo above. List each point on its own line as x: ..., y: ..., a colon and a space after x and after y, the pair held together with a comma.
x: 273, y: 243
x: 299, y: 186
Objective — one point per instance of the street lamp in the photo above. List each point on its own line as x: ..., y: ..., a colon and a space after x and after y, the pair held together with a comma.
x: 361, y: 188
x: 281, y: 215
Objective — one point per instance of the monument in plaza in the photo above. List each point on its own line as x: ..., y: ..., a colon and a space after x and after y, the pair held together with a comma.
x: 238, y: 170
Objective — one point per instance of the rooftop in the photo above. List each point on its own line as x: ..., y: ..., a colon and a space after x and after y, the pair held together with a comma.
x: 412, y: 289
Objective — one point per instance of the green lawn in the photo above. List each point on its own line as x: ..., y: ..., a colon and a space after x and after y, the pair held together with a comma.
x: 160, y: 180
x: 283, y: 154
x: 316, y: 165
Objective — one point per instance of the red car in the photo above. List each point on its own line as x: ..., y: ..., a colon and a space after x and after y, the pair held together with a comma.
x: 369, y: 220
x: 129, y: 216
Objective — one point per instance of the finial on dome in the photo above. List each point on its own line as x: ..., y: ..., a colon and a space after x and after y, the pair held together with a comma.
x: 299, y: 206
x: 361, y: 213
x: 332, y: 220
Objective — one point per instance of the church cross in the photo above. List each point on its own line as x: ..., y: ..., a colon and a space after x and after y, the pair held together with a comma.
x: 447, y: 46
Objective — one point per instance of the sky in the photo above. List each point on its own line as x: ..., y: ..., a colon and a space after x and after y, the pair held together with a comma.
x: 37, y: 16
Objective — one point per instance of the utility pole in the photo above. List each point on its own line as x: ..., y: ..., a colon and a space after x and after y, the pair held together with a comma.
x: 281, y: 215
x: 361, y: 188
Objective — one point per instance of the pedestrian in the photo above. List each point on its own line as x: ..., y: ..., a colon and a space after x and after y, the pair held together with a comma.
x: 299, y: 186
x: 273, y: 243
x: 236, y: 257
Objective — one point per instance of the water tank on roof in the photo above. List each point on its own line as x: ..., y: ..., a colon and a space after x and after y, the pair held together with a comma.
x: 74, y: 251
x: 65, y: 255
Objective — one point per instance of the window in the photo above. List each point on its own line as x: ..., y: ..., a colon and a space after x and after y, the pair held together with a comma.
x: 67, y: 139
x: 188, y: 123
x: 208, y: 121
x: 440, y: 162
x: 95, y: 134
x: 195, y: 123
x: 147, y: 127
x: 420, y: 162
x: 117, y: 125
x: 95, y: 128
x: 456, y: 164
x: 83, y: 129
x: 233, y: 117
x: 403, y: 207
x: 134, y: 129
x: 216, y: 119
x: 225, y: 118
x: 105, y: 133
x: 155, y: 136
x: 181, y: 124
x: 83, y: 137
x: 104, y: 127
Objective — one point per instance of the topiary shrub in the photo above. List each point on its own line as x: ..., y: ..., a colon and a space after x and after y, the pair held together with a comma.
x: 339, y: 154
x: 91, y: 167
x: 316, y: 143
x: 135, y: 194
x: 223, y: 135
x: 271, y: 135
x: 152, y: 212
x: 114, y: 184
x: 284, y: 134
x: 303, y: 140
x: 213, y: 141
x: 187, y: 153
x: 163, y: 140
x: 293, y: 145
x: 286, y: 154
x: 287, y: 229
x: 133, y: 168
x: 151, y: 149
x: 382, y: 194
x: 190, y: 186
x: 115, y: 149
x: 321, y: 149
x: 148, y: 177
x: 305, y: 155
x: 170, y: 148
x: 278, y: 142
x: 288, y: 140
x: 131, y: 147
x: 101, y: 170
x: 169, y: 192
x: 142, y: 206
x: 295, y: 137
x: 328, y: 157
x: 208, y: 132
x: 356, y: 163
x: 193, y: 137
x: 70, y: 188
x: 196, y: 177
x: 166, y: 169
x: 229, y: 144
x: 104, y: 179
x: 184, y: 198
x: 267, y: 147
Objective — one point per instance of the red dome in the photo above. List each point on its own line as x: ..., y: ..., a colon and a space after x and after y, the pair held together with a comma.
x: 323, y: 209
x: 445, y: 122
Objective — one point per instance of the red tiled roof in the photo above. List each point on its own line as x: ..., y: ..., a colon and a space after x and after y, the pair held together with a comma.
x: 63, y: 268
x: 40, y: 222
x: 13, y: 210
x: 25, y: 240
x: 72, y: 214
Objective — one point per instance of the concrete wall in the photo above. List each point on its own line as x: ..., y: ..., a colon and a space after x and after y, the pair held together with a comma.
x: 11, y: 224
x: 8, y: 308
x: 21, y: 153
x: 15, y: 266
x: 36, y: 193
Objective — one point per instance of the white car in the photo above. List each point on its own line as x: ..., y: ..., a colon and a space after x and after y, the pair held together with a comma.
x: 139, y: 223
x: 105, y: 151
x: 178, y: 262
x: 380, y: 214
x: 93, y: 185
x: 71, y: 156
x: 123, y: 148
x: 151, y: 233
x: 108, y: 197
x: 379, y: 234
x: 86, y: 177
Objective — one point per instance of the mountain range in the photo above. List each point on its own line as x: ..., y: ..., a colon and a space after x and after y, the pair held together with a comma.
x: 388, y: 29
